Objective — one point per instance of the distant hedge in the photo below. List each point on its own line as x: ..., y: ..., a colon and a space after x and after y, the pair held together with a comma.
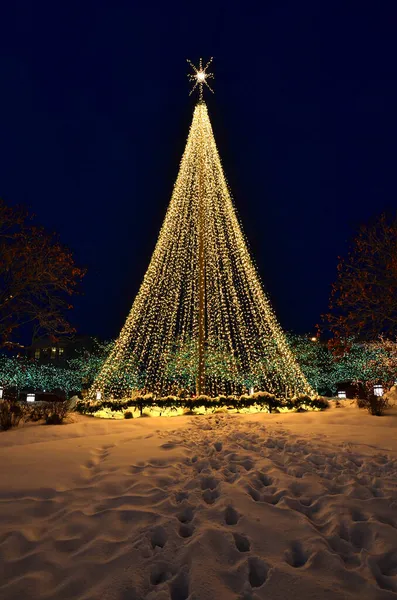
x: 261, y: 400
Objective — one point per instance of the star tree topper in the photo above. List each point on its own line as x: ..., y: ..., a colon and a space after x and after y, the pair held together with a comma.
x: 200, y: 77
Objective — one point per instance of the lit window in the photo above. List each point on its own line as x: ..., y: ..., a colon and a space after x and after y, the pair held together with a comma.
x: 98, y: 395
x: 30, y: 397
x: 1, y: 392
x: 341, y: 394
x: 60, y: 351
x: 53, y: 352
x: 378, y: 390
x: 37, y: 354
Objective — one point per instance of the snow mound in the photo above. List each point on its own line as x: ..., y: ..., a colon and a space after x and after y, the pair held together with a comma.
x: 391, y: 396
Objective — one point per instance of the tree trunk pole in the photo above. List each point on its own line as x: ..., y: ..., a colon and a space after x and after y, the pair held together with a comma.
x: 201, y: 260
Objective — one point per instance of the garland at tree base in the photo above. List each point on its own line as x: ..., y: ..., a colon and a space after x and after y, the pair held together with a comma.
x: 261, y: 400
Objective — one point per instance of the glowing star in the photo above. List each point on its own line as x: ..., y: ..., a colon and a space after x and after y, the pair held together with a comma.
x: 200, y: 77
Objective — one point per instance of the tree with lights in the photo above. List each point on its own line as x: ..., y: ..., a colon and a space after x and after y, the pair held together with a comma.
x: 88, y: 363
x: 366, y: 364
x: 75, y: 375
x: 316, y: 361
x: 201, y: 296
x: 26, y: 374
x: 182, y: 368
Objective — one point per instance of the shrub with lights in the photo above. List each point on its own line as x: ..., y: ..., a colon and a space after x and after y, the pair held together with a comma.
x: 172, y: 405
x: 22, y: 374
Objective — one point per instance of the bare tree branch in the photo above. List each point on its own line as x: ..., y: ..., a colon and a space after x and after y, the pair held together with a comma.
x: 363, y: 301
x: 37, y: 277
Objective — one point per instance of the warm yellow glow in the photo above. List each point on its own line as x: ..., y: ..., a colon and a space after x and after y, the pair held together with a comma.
x: 236, y: 312
x: 155, y: 411
x: 200, y: 77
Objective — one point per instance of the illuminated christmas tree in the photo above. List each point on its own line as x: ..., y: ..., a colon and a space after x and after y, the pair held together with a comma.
x: 201, y: 320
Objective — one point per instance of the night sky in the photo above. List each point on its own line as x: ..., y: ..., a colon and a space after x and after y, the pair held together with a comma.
x: 94, y: 115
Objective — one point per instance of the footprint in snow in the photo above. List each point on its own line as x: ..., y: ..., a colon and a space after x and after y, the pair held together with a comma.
x: 242, y: 542
x: 255, y: 495
x: 208, y: 483
x: 186, y: 515
x: 231, y: 516
x: 168, y: 446
x: 186, y: 530
x: 158, y: 537
x: 161, y: 572
x: 264, y: 479
x: 179, y: 586
x: 257, y: 571
x: 180, y: 496
x: 296, y: 556
x: 209, y: 496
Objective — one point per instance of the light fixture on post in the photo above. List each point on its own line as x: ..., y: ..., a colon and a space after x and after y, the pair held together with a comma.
x: 30, y: 397
x: 378, y: 389
x: 1, y: 393
x: 341, y: 394
x: 98, y: 395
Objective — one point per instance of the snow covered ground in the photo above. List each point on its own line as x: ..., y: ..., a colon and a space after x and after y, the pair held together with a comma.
x: 300, y: 506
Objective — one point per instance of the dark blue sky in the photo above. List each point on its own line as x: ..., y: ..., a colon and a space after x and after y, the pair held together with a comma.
x: 94, y: 114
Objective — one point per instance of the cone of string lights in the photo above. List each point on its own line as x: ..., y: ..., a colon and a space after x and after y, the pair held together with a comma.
x: 201, y: 322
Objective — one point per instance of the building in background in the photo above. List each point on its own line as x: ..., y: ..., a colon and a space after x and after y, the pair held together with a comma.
x: 47, y: 352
